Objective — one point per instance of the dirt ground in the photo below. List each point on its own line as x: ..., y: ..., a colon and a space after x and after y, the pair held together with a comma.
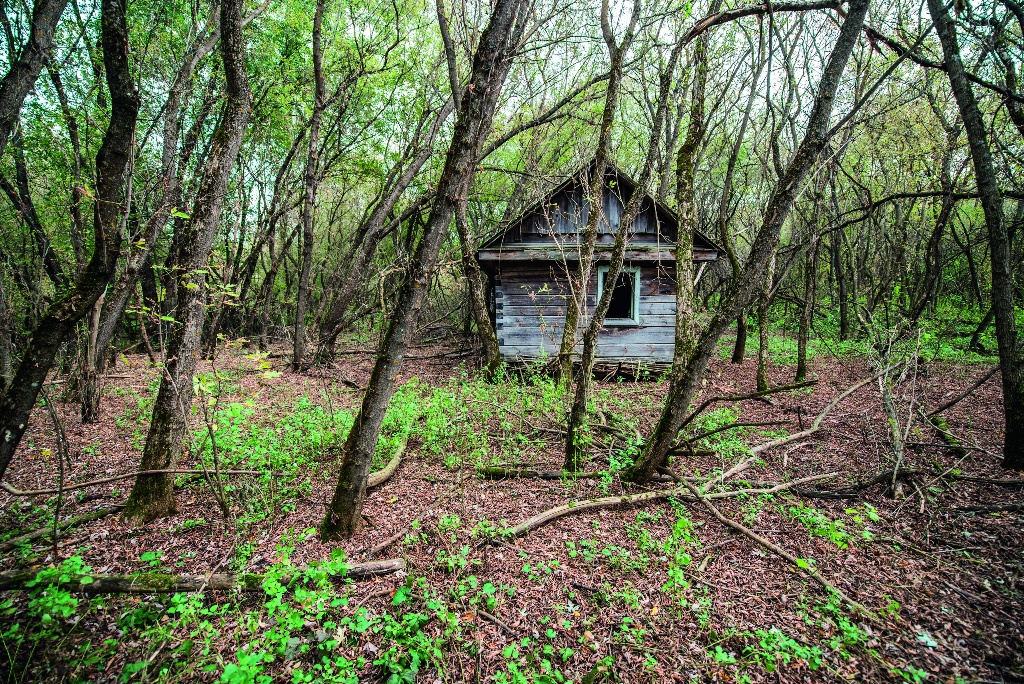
x: 945, y: 583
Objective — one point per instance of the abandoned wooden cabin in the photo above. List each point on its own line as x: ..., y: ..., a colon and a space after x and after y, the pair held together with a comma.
x: 527, y: 266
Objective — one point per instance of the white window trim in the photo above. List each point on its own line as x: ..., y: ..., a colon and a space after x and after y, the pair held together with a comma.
x: 624, y: 322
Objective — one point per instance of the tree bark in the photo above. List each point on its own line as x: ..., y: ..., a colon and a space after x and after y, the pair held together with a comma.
x: 740, y: 348
x: 692, y: 355
x: 309, y: 197
x: 152, y: 496
x: 1010, y: 357
x: 764, y: 303
x: 21, y: 77
x: 111, y: 165
x: 491, y: 64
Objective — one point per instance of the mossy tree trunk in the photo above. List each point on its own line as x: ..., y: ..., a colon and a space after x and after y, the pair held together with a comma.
x: 152, y: 496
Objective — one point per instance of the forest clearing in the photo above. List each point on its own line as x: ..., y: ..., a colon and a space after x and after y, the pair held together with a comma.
x: 652, y: 591
x: 511, y: 341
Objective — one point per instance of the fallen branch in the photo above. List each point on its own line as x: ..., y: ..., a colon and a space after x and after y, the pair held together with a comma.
x: 730, y: 426
x: 381, y: 476
x: 160, y: 583
x: 816, y: 425
x: 66, y: 525
x: 502, y: 473
x: 744, y: 397
x: 804, y: 566
x: 948, y: 438
x: 963, y: 395
x: 573, y: 507
x: 115, y: 478
x: 995, y: 508
x: 886, y: 476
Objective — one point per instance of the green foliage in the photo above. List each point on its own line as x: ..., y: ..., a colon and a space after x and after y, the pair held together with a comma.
x: 820, y: 525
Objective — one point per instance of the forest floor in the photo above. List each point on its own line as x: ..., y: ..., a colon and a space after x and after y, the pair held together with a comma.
x: 657, y: 591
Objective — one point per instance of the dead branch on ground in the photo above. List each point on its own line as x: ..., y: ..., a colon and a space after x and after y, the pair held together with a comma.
x: 804, y: 566
x: 161, y: 583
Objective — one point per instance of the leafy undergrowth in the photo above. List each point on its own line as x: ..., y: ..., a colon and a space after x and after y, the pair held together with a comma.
x: 654, y: 593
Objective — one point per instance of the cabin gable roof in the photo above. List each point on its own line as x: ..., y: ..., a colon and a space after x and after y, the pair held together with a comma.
x: 553, y: 222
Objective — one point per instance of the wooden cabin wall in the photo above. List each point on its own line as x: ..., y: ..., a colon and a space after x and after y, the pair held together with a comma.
x: 530, y: 302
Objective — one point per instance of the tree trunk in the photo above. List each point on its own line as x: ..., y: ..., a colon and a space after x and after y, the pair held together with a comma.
x: 309, y: 197
x: 92, y: 367
x: 740, y: 348
x: 841, y: 294
x: 692, y: 355
x: 763, y: 305
x: 490, y: 67
x: 111, y: 164
x: 807, y: 311
x: 1011, y: 361
x: 152, y: 496
x: 574, y: 447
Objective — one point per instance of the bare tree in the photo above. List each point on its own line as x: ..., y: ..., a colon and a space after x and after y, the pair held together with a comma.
x: 309, y: 196
x: 692, y: 356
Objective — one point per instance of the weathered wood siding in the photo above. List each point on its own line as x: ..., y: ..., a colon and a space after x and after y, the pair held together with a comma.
x: 530, y: 305
x: 566, y: 213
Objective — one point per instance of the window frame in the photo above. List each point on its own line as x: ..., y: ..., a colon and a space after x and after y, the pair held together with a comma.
x: 622, y: 322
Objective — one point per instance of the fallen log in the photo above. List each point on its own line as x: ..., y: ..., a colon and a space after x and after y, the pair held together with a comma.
x: 161, y: 583
x: 66, y: 525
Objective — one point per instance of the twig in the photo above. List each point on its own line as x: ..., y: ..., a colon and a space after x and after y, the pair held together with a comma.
x: 487, y: 616
x: 816, y: 425
x: 805, y: 566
